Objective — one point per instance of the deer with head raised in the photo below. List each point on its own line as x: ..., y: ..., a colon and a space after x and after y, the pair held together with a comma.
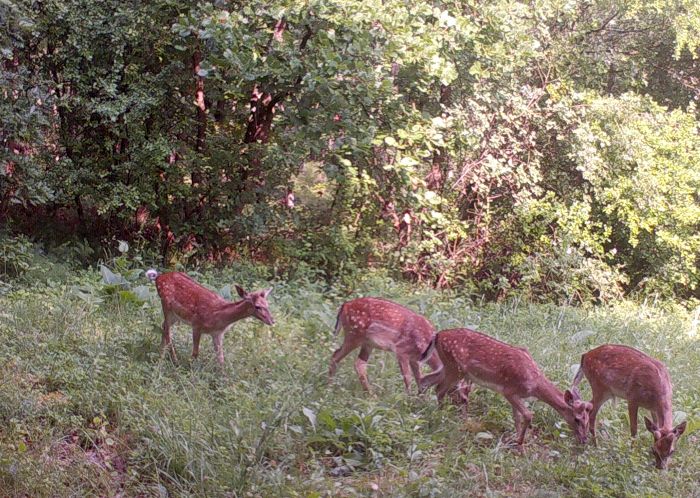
x: 506, y: 369
x: 371, y: 323
x: 185, y: 300
x: 624, y: 372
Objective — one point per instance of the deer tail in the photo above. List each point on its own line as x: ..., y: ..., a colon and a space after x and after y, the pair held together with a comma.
x: 579, y: 376
x: 152, y: 274
x: 429, y: 350
x: 338, y: 325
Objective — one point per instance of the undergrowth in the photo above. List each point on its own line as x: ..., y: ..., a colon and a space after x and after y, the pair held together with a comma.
x: 88, y: 406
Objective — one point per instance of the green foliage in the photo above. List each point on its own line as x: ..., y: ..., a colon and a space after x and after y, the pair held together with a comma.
x: 461, y: 144
x: 15, y: 255
x: 24, y: 263
x: 640, y: 164
x: 355, y: 441
x: 124, y: 282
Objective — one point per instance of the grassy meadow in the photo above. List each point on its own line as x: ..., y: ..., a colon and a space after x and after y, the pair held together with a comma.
x: 89, y: 408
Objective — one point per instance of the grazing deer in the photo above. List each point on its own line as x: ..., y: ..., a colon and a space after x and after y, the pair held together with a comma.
x: 370, y: 323
x: 624, y: 372
x: 505, y: 369
x: 185, y: 300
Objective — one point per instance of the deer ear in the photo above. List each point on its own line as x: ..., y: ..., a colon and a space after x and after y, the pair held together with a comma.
x: 651, y: 426
x: 243, y: 294
x: 266, y: 292
x: 679, y: 429
x: 570, y: 397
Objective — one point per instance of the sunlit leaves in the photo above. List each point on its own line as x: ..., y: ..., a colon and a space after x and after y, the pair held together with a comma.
x: 642, y: 164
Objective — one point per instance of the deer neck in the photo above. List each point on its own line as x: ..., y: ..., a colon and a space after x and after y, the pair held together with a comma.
x: 549, y: 393
x: 664, y: 415
x: 232, y: 312
x: 434, y: 362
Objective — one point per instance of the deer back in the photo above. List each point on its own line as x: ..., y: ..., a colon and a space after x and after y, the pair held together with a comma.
x: 628, y: 373
x: 488, y: 361
x: 386, y: 325
x: 186, y: 298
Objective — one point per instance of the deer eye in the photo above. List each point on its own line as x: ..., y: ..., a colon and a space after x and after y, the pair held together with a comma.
x: 258, y: 307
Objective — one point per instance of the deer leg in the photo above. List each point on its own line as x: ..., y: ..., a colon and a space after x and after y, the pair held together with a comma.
x: 361, y: 366
x: 404, y: 365
x: 632, y: 408
x: 518, y: 420
x: 340, y: 353
x: 415, y: 368
x: 597, y: 402
x: 525, y: 416
x: 167, y: 339
x: 446, y: 383
x: 218, y: 340
x: 196, y: 335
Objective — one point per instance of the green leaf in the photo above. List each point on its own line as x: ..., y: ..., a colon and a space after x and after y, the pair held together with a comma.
x: 110, y: 278
x: 142, y: 292
x: 311, y: 415
x: 581, y: 336
x: 483, y: 436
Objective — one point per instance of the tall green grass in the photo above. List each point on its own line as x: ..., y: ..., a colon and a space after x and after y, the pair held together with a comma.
x: 88, y: 406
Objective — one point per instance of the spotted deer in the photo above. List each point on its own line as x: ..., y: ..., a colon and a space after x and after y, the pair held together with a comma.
x: 185, y: 300
x: 624, y: 372
x: 508, y: 370
x: 371, y: 323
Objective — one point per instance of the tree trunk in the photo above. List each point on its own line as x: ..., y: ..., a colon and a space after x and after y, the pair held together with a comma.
x: 436, y: 177
x: 201, y: 117
x: 262, y: 111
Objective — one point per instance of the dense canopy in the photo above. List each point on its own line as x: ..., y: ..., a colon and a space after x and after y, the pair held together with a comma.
x: 548, y: 147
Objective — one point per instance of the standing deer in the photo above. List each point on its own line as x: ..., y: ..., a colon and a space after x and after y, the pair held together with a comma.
x: 624, y: 372
x: 505, y: 369
x: 370, y: 323
x: 185, y: 300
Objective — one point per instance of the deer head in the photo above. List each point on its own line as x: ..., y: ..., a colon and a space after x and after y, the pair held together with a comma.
x: 578, y: 418
x: 257, y: 304
x: 664, y: 441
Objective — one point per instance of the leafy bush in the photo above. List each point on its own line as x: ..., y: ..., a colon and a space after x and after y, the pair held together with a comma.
x: 566, y: 275
x: 126, y: 281
x: 640, y: 163
x: 410, y: 134
x: 356, y: 441
x: 16, y: 254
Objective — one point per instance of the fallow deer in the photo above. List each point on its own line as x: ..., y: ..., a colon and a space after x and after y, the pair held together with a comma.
x: 506, y: 369
x: 624, y: 372
x: 370, y: 323
x: 185, y: 300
